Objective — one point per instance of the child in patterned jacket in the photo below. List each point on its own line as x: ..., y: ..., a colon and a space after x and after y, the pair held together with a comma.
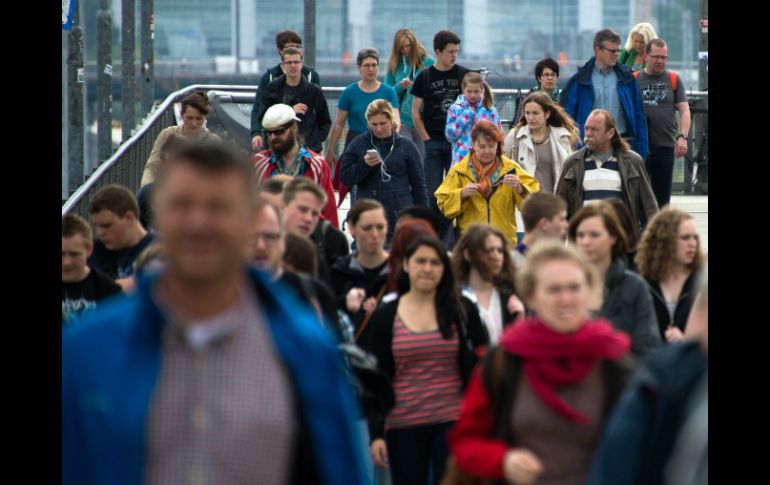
x: 476, y: 103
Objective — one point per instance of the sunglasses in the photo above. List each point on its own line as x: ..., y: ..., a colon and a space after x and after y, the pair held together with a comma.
x: 277, y: 131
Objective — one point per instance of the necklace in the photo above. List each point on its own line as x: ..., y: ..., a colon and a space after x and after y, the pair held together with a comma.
x: 543, y: 139
x: 292, y: 171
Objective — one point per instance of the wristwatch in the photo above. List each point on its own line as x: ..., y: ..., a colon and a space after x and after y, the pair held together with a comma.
x: 682, y: 136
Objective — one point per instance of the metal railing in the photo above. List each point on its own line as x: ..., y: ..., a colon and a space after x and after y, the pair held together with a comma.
x: 230, y: 118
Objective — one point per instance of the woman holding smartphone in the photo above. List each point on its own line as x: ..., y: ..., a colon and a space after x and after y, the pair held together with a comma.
x: 485, y: 186
x: 384, y: 165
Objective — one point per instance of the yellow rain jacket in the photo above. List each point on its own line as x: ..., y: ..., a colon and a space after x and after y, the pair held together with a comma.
x: 498, y: 211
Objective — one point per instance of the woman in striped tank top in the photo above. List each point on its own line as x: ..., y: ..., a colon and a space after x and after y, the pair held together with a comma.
x: 424, y: 341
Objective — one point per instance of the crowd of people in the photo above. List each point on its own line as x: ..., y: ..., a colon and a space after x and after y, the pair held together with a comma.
x: 519, y: 307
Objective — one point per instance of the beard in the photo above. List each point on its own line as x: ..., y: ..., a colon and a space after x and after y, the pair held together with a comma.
x: 283, y: 146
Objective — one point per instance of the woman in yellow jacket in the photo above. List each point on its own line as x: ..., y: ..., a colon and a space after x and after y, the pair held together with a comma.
x: 485, y: 186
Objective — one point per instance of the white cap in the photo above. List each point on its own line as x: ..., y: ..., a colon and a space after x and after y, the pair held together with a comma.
x: 278, y: 115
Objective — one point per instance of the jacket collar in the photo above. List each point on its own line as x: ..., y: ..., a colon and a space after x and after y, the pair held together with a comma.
x: 583, y: 75
x: 152, y: 321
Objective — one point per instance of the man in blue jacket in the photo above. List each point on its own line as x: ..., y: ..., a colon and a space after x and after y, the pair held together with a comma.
x: 603, y: 83
x: 208, y: 373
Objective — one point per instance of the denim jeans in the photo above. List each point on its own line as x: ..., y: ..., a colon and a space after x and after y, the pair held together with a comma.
x: 660, y: 168
x: 438, y: 157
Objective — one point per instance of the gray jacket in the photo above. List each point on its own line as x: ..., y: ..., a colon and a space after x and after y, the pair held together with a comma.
x: 628, y: 305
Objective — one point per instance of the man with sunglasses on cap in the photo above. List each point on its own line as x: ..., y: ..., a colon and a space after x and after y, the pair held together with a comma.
x: 287, y: 155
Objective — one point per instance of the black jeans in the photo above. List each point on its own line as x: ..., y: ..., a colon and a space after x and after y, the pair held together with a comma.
x: 438, y: 158
x: 413, y: 452
x: 660, y: 168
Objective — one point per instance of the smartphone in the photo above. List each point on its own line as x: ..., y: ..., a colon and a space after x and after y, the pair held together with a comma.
x: 372, y: 152
x: 500, y: 180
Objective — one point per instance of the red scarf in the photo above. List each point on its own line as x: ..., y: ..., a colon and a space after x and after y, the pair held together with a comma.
x: 554, y: 359
x: 484, y: 173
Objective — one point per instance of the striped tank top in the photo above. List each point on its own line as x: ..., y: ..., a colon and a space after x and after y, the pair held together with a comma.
x: 427, y: 379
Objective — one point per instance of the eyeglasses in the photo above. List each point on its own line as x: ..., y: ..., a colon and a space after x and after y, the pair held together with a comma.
x: 659, y: 58
x: 277, y: 131
x: 611, y: 51
x: 292, y: 63
x: 369, y: 66
x: 548, y: 74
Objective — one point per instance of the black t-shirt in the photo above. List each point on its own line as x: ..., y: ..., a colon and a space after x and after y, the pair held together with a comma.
x: 371, y: 274
x: 84, y: 295
x: 291, y: 94
x: 117, y: 264
x: 438, y: 90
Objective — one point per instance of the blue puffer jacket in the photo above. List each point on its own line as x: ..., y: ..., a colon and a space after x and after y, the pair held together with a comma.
x: 406, y: 185
x: 111, y: 363
x: 577, y: 98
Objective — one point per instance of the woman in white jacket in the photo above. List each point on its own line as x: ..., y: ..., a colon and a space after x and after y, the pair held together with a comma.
x: 542, y: 140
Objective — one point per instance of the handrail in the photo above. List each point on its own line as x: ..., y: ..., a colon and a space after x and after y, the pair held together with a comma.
x: 138, y: 146
x: 155, y: 114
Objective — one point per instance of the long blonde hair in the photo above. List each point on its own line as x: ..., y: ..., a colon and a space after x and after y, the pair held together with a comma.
x: 415, y: 57
x: 645, y: 29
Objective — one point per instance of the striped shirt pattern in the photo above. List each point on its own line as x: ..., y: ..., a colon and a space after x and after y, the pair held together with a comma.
x: 601, y: 180
x: 427, y: 378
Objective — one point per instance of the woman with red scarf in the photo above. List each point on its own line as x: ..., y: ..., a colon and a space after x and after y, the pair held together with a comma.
x: 534, y: 412
x: 485, y: 186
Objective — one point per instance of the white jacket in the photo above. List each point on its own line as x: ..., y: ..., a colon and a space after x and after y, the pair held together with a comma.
x: 560, y: 149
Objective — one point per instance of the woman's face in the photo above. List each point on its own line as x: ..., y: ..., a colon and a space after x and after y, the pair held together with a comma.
x: 548, y: 79
x: 492, y: 255
x: 380, y: 125
x: 425, y: 269
x: 638, y: 40
x: 368, y: 69
x: 473, y: 92
x: 561, y: 295
x: 536, y: 117
x: 593, y: 239
x: 485, y: 149
x: 370, y: 231
x: 192, y: 120
x: 406, y: 46
x: 687, y: 242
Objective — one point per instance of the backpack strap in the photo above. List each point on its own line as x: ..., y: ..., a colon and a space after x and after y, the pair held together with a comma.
x: 365, y: 322
x: 672, y: 75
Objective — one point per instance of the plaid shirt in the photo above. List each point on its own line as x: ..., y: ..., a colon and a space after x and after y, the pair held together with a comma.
x: 222, y: 412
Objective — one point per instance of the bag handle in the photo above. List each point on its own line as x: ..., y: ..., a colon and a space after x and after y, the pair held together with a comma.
x: 369, y: 316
